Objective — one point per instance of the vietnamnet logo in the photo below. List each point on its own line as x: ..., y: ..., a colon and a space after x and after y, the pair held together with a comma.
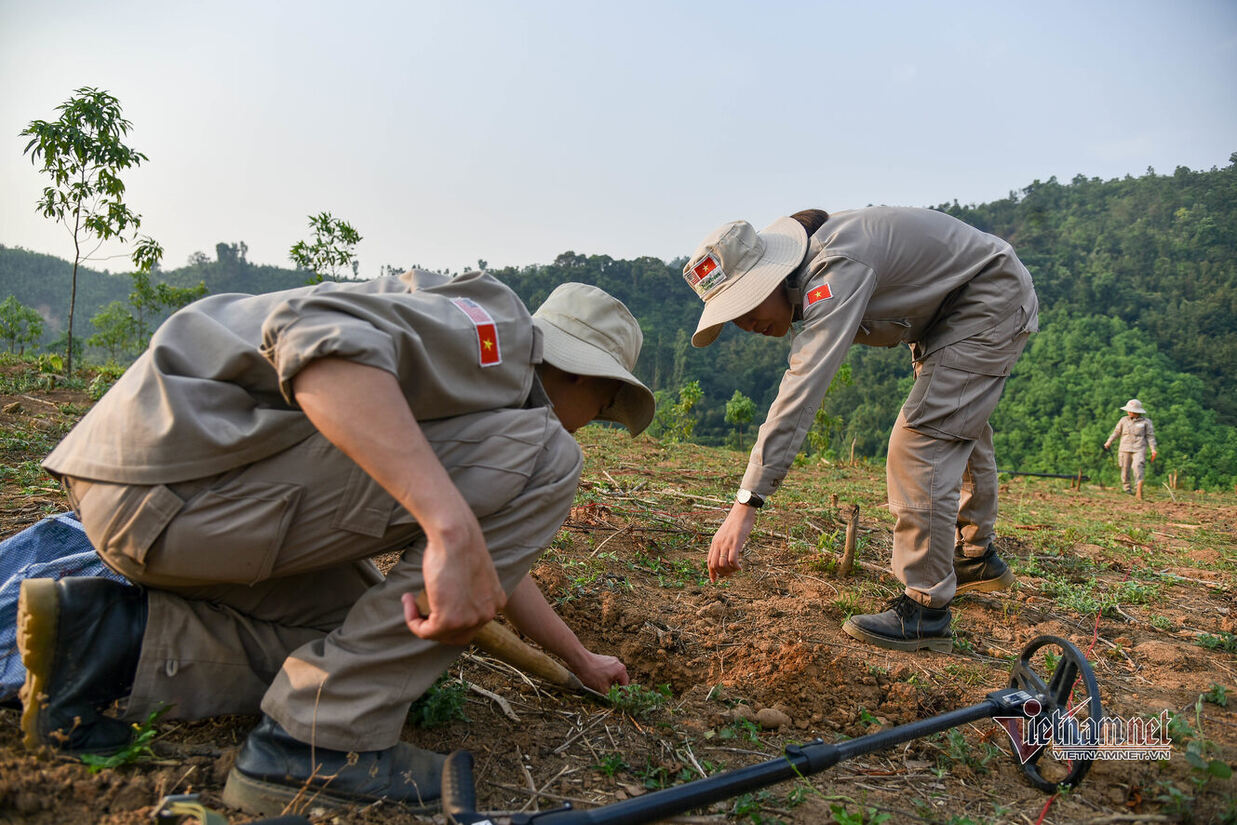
x: 1070, y: 738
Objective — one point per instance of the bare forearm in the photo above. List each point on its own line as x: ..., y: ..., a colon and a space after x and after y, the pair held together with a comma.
x: 361, y: 410
x: 533, y: 616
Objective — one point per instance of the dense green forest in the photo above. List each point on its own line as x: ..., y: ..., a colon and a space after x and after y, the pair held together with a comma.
x: 1137, y: 280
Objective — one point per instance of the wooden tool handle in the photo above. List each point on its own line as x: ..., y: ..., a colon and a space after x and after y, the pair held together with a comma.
x: 501, y: 642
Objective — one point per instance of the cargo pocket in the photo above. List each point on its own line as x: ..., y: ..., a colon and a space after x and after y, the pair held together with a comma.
x: 364, y: 507
x: 959, y: 386
x: 230, y: 534
x: 138, y: 515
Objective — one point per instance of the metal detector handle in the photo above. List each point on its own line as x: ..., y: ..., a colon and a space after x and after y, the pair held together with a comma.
x: 459, y: 793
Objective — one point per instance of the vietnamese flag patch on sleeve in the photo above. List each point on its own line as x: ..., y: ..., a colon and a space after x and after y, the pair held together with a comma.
x: 818, y: 294
x: 487, y: 331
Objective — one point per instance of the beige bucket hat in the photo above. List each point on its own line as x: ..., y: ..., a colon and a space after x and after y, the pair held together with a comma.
x: 1134, y: 406
x: 587, y: 331
x: 736, y: 268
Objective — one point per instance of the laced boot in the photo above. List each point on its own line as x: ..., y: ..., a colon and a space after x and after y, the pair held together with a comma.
x: 275, y: 772
x: 80, y: 639
x: 905, y: 624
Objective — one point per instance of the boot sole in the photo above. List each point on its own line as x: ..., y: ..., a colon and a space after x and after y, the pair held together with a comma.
x: 939, y: 645
x: 261, y: 798
x: 1003, y: 582
x: 38, y: 616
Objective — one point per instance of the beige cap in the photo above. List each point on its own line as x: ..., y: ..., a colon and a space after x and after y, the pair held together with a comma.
x: 587, y: 331
x: 1134, y: 406
x: 736, y: 268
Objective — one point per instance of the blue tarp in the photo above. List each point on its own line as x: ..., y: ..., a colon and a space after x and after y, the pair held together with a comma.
x: 54, y: 548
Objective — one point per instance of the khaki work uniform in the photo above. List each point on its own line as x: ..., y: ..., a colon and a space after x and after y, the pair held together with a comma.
x: 1137, y: 437
x: 198, y: 476
x: 965, y: 305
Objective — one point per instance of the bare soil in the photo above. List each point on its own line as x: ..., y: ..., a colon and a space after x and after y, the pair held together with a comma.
x: 1145, y: 589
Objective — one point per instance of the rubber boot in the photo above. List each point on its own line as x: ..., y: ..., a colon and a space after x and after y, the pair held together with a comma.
x: 80, y: 639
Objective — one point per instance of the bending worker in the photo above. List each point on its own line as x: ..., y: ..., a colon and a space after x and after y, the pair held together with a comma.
x: 882, y: 276
x: 250, y: 463
x: 1137, y: 437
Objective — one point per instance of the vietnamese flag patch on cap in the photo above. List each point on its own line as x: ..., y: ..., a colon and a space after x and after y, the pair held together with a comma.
x: 705, y: 276
x: 818, y: 294
x: 487, y: 331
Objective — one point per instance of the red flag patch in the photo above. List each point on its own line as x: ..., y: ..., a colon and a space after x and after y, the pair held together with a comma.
x: 706, y: 276
x: 820, y: 293
x: 487, y: 331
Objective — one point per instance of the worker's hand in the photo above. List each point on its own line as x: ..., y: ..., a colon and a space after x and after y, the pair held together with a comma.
x: 598, y: 671
x: 1105, y: 448
x: 726, y: 551
x: 461, y: 586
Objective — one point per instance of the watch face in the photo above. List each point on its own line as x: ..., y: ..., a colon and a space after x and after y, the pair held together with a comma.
x: 744, y: 496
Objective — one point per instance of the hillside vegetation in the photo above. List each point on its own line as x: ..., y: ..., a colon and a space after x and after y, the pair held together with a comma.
x: 1137, y: 279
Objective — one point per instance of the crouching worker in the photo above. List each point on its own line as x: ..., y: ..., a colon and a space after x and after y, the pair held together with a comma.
x: 882, y: 276
x: 250, y: 463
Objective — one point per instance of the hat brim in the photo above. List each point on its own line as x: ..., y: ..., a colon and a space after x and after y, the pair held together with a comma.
x: 785, y: 242
x: 633, y: 405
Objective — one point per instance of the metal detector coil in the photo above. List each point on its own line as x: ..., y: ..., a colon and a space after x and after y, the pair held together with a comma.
x: 1067, y: 694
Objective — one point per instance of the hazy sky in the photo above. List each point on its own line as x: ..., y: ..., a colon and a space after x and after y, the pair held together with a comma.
x: 513, y: 131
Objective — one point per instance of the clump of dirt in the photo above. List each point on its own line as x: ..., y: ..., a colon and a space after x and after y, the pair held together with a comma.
x: 759, y: 662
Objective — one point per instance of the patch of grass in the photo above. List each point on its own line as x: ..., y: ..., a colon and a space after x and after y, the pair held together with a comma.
x: 1224, y: 641
x: 442, y: 704
x: 750, y: 807
x: 863, y: 816
x: 638, y: 701
x: 1163, y: 623
x: 611, y: 764
x: 670, y: 573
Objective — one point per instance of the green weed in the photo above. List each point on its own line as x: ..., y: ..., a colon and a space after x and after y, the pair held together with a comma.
x: 1217, y: 695
x: 637, y: 701
x: 863, y: 816
x: 138, y: 749
x: 1225, y: 641
x: 750, y: 807
x: 611, y: 765
x: 442, y: 704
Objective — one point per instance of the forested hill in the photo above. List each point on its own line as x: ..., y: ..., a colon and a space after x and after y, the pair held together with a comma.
x: 1137, y: 279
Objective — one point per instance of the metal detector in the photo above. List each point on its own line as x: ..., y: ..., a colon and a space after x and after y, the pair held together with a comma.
x: 1062, y: 705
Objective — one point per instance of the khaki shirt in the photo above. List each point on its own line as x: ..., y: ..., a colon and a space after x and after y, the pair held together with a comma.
x: 1137, y: 435
x: 213, y: 392
x: 882, y: 276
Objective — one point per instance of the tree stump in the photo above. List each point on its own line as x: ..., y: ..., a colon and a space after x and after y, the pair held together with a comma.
x: 852, y: 536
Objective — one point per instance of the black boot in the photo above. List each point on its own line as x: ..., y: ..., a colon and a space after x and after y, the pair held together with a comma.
x: 904, y: 625
x: 275, y: 772
x: 982, y: 573
x: 80, y: 639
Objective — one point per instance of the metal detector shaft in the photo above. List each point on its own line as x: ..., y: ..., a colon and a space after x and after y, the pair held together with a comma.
x: 799, y: 761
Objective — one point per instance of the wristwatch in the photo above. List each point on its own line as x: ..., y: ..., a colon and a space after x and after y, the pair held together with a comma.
x: 749, y: 498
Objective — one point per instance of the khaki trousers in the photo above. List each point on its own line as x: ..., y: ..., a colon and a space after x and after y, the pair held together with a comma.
x: 261, y: 591
x: 1133, y: 465
x: 941, y: 470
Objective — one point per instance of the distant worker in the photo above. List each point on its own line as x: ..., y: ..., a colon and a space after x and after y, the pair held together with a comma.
x: 1137, y: 436
x: 883, y: 276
